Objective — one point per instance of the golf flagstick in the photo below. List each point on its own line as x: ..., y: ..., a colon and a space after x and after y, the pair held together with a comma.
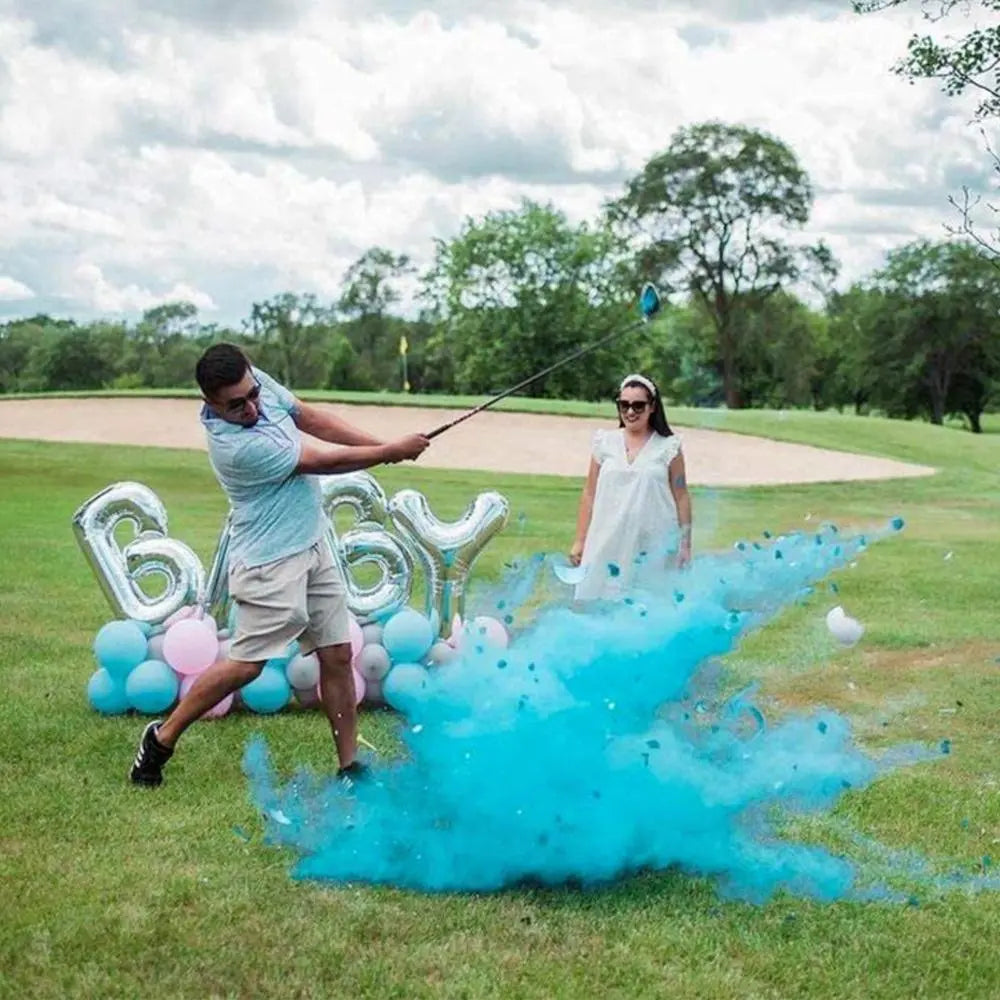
x: 649, y: 306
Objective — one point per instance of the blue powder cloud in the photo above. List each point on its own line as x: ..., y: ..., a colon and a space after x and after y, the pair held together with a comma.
x: 595, y: 746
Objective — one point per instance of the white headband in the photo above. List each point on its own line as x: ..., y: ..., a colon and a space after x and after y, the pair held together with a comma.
x: 642, y: 380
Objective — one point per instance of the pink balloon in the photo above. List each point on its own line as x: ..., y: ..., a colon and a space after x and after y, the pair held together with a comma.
x: 306, y: 697
x: 190, y: 646
x: 490, y: 630
x: 181, y: 614
x: 455, y: 637
x: 217, y: 711
x: 357, y: 638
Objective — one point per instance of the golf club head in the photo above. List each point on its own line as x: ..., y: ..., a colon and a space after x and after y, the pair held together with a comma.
x: 649, y: 301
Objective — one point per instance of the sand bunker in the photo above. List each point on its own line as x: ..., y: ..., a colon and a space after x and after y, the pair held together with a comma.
x: 492, y: 441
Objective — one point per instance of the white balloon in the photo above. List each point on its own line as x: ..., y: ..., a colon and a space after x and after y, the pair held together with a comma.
x: 571, y: 575
x: 372, y: 634
x: 441, y: 652
x: 303, y: 671
x: 155, y: 648
x: 846, y: 630
x: 373, y: 663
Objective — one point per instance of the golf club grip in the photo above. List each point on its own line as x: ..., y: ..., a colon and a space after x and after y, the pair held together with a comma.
x: 451, y: 423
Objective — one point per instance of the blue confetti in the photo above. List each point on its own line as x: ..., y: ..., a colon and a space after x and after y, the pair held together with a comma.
x: 607, y: 768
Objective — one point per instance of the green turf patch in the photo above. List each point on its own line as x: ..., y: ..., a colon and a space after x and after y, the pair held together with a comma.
x: 111, y: 892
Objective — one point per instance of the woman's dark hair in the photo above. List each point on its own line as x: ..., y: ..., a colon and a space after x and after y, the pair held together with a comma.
x: 220, y: 366
x: 658, y: 417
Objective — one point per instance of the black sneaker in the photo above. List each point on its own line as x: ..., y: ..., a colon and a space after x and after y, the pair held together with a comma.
x: 353, y: 773
x: 147, y: 768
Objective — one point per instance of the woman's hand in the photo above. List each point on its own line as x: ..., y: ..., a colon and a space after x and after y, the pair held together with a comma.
x: 576, y: 552
x: 684, y: 552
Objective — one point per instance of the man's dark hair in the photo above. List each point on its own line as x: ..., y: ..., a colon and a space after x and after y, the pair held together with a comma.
x: 220, y: 366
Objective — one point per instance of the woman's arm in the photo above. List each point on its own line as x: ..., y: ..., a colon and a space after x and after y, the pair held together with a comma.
x: 327, y: 426
x: 677, y: 478
x: 584, y: 513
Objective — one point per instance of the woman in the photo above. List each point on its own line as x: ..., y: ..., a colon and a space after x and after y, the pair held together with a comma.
x: 635, y: 512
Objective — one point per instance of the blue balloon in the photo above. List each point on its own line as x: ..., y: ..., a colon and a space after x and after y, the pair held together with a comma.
x: 408, y: 636
x: 405, y: 686
x: 277, y: 663
x: 144, y: 627
x: 120, y: 647
x: 106, y: 694
x: 268, y: 692
x: 152, y: 687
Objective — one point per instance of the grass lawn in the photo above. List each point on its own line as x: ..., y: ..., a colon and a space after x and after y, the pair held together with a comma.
x: 107, y: 891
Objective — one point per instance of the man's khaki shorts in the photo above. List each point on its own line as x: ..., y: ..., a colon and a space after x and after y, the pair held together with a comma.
x: 300, y: 597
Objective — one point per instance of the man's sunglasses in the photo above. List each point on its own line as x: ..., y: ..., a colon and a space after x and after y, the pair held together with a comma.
x: 637, y: 407
x: 239, y: 404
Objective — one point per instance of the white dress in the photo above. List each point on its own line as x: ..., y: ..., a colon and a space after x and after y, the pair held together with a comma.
x: 634, y: 521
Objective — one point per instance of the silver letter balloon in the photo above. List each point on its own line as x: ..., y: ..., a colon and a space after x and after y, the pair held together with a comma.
x: 367, y: 543
x: 445, y: 551
x: 121, y: 570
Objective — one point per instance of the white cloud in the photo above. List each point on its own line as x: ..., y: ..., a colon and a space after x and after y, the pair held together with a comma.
x: 227, y: 154
x: 12, y: 290
x: 94, y: 290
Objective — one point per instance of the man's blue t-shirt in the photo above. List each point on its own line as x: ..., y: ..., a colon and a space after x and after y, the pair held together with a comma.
x: 275, y: 512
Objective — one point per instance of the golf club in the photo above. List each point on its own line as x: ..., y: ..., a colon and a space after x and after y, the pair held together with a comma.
x: 649, y: 306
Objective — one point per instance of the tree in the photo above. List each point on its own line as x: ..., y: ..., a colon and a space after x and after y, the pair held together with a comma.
x: 851, y: 378
x: 970, y: 63
x: 83, y: 357
x: 18, y: 339
x: 369, y: 293
x: 712, y: 215
x: 296, y: 336
x: 781, y: 355
x: 680, y: 353
x: 155, y: 344
x: 516, y: 290
x: 941, y: 328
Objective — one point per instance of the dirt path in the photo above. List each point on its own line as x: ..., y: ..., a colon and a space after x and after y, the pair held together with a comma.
x: 496, y: 442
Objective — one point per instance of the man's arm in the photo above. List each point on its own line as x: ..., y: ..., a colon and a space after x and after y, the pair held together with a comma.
x: 321, y: 459
x: 322, y: 423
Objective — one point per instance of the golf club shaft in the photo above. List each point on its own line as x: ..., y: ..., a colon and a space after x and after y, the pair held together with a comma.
x: 534, y: 378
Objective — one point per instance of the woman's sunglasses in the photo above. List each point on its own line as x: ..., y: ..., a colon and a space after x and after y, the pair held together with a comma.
x: 637, y: 407
x: 239, y: 404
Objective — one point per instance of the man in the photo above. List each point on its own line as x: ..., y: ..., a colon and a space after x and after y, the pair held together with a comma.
x: 267, y: 448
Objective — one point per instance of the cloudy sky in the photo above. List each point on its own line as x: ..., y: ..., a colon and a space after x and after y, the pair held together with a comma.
x: 221, y: 151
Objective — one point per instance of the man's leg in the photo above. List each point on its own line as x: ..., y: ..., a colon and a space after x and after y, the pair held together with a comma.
x: 329, y: 633
x: 156, y: 745
x: 220, y: 679
x: 270, y: 612
x: 336, y: 683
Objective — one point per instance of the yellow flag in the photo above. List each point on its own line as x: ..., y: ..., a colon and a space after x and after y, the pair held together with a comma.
x: 403, y: 345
